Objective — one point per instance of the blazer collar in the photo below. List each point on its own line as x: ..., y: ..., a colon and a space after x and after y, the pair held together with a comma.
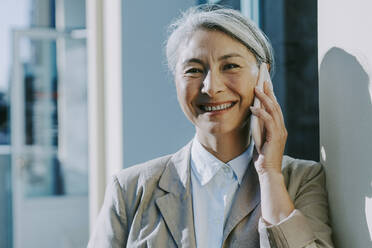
x: 247, y: 198
x: 176, y: 176
x: 176, y: 206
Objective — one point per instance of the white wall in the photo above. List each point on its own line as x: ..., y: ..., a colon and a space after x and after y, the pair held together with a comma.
x: 345, y: 66
x: 154, y: 124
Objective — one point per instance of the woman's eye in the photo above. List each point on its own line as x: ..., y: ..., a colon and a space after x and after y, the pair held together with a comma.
x: 230, y: 66
x: 193, y: 70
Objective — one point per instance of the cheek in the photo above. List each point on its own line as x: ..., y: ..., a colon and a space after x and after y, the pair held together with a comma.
x: 244, y: 87
x: 186, y: 93
x: 250, y: 83
x: 248, y: 95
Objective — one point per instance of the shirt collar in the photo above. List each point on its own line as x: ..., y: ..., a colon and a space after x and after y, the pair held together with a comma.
x: 205, y: 165
x: 241, y: 162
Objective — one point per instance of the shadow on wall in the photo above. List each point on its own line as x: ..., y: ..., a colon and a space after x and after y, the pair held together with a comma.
x: 346, y: 142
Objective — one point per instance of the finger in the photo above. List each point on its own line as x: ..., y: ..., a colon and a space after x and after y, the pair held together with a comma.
x: 268, y: 104
x: 267, y: 120
x: 265, y: 85
x: 272, y: 132
x: 268, y: 89
x: 267, y: 81
x: 260, y: 83
x: 270, y: 93
x: 278, y: 111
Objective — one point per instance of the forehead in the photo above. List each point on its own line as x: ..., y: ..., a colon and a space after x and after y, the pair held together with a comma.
x: 211, y: 44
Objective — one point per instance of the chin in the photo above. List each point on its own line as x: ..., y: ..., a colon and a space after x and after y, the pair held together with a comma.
x: 216, y: 129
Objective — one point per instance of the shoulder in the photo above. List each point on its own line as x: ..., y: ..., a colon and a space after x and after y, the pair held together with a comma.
x: 300, y: 172
x: 150, y: 172
x: 141, y: 174
x: 138, y: 183
x: 300, y: 166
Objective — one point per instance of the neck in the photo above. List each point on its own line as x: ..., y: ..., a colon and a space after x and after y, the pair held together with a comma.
x: 225, y: 146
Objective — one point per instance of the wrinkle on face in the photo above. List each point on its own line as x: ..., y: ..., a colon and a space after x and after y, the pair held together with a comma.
x: 209, y: 53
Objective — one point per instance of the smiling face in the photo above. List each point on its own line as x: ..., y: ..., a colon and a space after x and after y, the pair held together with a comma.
x: 215, y: 78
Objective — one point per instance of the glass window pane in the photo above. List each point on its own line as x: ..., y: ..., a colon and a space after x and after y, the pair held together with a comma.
x: 54, y: 160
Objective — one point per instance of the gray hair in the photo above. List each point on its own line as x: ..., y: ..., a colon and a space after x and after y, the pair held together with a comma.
x: 228, y: 21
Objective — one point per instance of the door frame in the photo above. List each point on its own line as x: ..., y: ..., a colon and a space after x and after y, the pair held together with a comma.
x: 17, y: 122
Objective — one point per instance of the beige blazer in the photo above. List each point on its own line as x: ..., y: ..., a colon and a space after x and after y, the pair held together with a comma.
x: 150, y: 205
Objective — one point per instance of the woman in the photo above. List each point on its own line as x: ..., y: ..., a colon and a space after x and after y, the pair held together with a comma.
x: 230, y: 186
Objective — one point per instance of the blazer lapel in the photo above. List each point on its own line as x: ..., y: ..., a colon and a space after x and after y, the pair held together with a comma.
x: 176, y: 205
x: 246, y: 199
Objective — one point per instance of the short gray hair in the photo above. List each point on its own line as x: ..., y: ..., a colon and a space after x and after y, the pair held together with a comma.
x: 228, y: 21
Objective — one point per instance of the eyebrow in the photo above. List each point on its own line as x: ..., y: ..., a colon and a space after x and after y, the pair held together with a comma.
x: 230, y: 55
x: 199, y: 61
x: 193, y: 60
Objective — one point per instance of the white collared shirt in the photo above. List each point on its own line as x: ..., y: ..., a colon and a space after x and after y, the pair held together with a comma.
x: 214, y: 185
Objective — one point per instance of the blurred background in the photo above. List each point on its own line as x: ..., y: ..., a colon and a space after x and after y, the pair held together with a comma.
x: 85, y: 91
x: 43, y: 124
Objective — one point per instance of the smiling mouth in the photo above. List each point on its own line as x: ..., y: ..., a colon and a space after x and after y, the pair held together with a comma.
x: 214, y: 107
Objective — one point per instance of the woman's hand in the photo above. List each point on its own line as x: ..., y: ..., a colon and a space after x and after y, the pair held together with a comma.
x: 268, y: 158
x: 276, y: 204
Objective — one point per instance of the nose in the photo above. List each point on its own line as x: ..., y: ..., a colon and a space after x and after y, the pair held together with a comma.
x: 212, y: 84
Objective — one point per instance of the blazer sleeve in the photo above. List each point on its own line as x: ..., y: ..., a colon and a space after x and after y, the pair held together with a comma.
x: 111, y: 226
x: 308, y: 225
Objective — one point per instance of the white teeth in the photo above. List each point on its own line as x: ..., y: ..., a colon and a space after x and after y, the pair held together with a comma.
x: 218, y: 107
